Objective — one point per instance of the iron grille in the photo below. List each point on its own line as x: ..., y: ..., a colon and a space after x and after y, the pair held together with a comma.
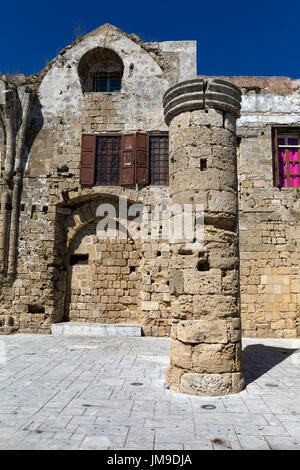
x: 159, y: 159
x: 108, y: 156
x: 106, y: 81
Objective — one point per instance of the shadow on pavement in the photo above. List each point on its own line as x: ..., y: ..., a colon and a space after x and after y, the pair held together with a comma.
x: 259, y: 359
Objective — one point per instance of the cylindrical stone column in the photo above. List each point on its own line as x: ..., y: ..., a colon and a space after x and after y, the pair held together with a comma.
x: 205, y: 352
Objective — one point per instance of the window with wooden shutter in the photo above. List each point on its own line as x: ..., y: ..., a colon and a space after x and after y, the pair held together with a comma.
x: 128, y: 159
x: 141, y: 158
x: 159, y: 159
x: 108, y: 157
x: 87, y: 167
x: 286, y: 151
x: 275, y: 158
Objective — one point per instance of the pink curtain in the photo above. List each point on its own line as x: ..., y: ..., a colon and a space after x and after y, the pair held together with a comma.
x: 294, y: 166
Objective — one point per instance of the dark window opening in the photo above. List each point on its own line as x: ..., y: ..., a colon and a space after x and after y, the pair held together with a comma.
x: 106, y: 81
x: 108, y: 157
x: 203, y: 164
x: 203, y: 266
x: 33, y: 209
x: 159, y: 159
x: 79, y: 259
x: 36, y: 308
x: 101, y: 70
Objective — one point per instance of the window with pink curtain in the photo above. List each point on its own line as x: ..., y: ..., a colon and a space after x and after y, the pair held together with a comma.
x: 288, y: 161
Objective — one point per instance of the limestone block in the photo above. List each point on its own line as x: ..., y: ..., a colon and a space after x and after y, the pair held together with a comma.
x: 181, y: 310
x: 206, y: 384
x: 180, y: 354
x: 215, y: 306
x: 194, y: 178
x: 173, y: 376
x: 207, y: 282
x: 230, y: 122
x: 189, y: 197
x: 222, y: 201
x: 238, y: 382
x: 184, y: 262
x: 224, y: 138
x: 202, y: 331
x: 222, y: 260
x: 150, y: 305
x: 182, y: 120
x: 191, y: 136
x: 228, y: 179
x: 213, y: 117
x: 230, y: 282
x: 234, y: 329
x: 224, y: 157
x: 179, y: 156
x: 214, y: 358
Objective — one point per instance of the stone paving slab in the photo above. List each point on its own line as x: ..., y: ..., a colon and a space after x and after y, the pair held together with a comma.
x: 94, y: 329
x: 61, y: 392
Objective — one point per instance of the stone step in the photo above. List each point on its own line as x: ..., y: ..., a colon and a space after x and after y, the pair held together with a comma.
x: 95, y: 329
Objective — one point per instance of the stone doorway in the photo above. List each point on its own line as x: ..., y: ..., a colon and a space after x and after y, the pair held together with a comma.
x: 103, y: 279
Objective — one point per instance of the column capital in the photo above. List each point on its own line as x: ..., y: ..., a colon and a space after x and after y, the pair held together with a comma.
x: 201, y: 93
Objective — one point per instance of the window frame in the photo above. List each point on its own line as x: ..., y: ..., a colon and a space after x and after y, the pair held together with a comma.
x: 98, y: 136
x: 93, y: 80
x: 136, y: 163
x: 158, y: 134
x: 279, y: 133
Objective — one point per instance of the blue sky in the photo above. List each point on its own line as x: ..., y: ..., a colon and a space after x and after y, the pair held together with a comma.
x: 233, y: 37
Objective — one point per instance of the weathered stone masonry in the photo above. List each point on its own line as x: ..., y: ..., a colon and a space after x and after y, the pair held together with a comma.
x: 204, y: 279
x: 47, y: 216
x: 56, y: 209
x: 269, y: 216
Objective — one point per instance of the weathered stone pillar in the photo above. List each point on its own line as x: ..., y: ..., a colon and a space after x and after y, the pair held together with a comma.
x: 205, y: 356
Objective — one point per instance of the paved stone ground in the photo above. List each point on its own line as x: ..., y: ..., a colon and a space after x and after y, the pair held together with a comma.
x: 80, y: 393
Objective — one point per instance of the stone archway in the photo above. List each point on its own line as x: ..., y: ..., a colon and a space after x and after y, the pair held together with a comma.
x: 103, y: 278
x: 100, y: 277
x: 143, y: 276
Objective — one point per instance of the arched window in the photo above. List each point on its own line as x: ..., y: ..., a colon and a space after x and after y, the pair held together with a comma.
x: 101, y: 70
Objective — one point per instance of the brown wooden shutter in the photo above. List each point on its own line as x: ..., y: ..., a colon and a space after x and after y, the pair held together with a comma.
x: 142, y: 158
x: 127, y: 174
x: 87, y: 167
x: 275, y: 158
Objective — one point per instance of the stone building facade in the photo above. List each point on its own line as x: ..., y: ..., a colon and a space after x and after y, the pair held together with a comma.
x: 67, y: 136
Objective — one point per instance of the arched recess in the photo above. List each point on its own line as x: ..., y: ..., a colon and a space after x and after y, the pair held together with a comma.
x: 101, y: 70
x: 100, y: 280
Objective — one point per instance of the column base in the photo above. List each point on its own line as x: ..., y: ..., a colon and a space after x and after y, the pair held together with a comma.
x: 212, y: 385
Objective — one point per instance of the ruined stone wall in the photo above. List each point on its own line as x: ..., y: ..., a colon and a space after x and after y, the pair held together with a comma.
x: 270, y: 281
x: 54, y: 206
x: 155, y: 295
x: 269, y: 216
x: 107, y: 288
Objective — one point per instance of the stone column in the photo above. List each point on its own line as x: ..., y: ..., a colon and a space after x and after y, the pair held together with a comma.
x: 205, y: 353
